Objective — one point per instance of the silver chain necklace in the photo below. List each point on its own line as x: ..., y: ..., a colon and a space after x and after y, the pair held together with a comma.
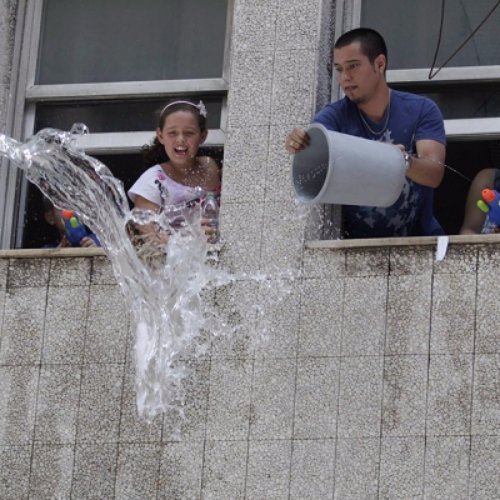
x: 384, y: 128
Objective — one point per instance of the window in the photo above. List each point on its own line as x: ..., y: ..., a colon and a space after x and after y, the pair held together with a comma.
x: 110, y: 64
x: 467, y: 88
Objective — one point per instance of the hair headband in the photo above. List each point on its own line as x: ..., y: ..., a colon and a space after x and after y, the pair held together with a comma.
x: 200, y: 107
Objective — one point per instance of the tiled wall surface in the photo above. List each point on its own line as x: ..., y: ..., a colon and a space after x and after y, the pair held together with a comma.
x: 379, y: 378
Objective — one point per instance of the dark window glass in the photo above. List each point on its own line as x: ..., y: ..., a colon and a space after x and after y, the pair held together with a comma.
x: 411, y: 31
x: 116, y: 115
x: 85, y: 41
x: 464, y: 100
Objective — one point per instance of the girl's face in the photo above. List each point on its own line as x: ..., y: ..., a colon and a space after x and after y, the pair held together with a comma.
x: 181, y: 136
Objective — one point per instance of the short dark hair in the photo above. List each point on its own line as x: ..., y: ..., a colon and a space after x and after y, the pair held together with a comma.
x: 371, y: 41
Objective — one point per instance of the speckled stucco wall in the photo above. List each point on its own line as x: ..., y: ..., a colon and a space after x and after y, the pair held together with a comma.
x: 7, y: 28
x: 379, y: 378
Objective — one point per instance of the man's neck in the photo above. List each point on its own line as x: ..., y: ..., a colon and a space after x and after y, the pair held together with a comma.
x: 376, y: 106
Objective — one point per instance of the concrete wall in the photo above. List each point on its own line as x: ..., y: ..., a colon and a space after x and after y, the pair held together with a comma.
x: 379, y: 378
x: 7, y: 28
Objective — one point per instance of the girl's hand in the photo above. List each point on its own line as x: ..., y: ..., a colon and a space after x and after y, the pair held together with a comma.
x: 64, y: 243
x: 87, y: 242
x: 211, y: 231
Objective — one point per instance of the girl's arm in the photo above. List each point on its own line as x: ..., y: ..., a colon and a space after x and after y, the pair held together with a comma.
x: 144, y: 204
x: 474, y: 217
x: 148, y: 233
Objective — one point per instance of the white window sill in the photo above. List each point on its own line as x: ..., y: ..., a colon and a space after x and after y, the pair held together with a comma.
x: 399, y: 242
x: 42, y: 253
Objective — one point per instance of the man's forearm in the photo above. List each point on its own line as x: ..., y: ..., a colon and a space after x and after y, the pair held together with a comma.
x: 426, y: 171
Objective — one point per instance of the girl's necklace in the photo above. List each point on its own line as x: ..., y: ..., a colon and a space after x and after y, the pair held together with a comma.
x: 386, y: 123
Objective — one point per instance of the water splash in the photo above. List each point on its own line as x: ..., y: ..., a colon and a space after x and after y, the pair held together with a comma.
x: 163, y: 288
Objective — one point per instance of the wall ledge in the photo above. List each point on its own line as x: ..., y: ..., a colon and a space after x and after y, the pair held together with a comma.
x: 472, y: 239
x: 43, y: 253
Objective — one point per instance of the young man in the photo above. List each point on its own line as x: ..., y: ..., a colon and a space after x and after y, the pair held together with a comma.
x: 370, y: 109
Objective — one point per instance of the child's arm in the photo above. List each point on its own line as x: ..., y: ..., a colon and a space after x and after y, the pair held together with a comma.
x: 474, y: 217
x: 87, y: 242
x: 144, y: 204
x: 64, y: 243
x: 148, y: 233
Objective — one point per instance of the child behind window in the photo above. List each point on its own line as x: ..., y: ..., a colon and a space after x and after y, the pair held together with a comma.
x: 71, y: 231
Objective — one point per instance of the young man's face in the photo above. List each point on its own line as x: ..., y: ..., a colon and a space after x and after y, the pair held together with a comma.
x: 358, y: 77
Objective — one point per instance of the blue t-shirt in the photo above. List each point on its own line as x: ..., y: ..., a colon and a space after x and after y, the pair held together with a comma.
x: 408, y: 118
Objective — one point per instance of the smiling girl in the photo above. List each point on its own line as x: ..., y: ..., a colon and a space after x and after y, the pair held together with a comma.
x: 180, y: 132
x: 179, y: 172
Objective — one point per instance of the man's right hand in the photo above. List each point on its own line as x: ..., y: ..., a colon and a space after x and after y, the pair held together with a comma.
x: 297, y: 140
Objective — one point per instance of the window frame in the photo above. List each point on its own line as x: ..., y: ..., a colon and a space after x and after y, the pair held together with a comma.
x: 348, y: 16
x: 463, y: 128
x: 26, y: 95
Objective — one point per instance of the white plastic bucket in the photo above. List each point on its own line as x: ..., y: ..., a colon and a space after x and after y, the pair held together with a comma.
x: 343, y: 169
